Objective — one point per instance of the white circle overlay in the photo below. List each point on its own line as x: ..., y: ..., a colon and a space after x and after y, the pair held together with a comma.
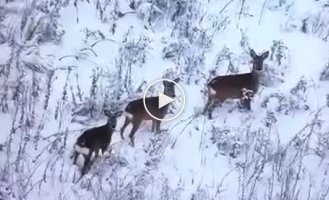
x: 181, y: 109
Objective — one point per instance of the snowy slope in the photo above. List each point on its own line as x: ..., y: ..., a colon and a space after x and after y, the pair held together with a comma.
x: 61, y: 62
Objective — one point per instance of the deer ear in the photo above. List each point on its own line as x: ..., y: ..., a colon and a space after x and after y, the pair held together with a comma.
x: 107, y: 113
x: 253, y: 53
x: 265, y: 55
x: 118, y: 114
x: 177, y: 80
x: 165, y: 83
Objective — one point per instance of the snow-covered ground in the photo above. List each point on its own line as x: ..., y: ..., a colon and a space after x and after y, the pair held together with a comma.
x: 62, y: 61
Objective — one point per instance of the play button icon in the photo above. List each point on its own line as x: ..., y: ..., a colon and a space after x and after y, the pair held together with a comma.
x: 163, y: 99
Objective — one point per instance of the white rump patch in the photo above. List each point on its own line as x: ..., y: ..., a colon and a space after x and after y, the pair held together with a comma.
x: 129, y: 115
x: 212, y: 91
x: 82, y: 150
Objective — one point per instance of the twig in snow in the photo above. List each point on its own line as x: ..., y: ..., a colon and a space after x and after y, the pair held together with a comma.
x: 102, y: 40
x: 241, y: 9
x: 89, y: 49
x: 225, y: 6
x: 190, y: 120
x: 262, y: 11
x: 76, y: 9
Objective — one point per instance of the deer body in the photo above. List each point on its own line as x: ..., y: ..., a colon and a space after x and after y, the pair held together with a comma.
x: 231, y: 86
x: 137, y: 107
x: 95, y: 141
x: 136, y: 113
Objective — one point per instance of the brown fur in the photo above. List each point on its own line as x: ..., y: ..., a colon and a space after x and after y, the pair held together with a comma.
x: 138, y: 112
x: 230, y: 86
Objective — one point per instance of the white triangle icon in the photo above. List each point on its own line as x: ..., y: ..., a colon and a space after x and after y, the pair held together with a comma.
x: 164, y: 100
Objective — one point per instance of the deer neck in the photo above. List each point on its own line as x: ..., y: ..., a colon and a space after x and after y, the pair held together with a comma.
x: 255, y: 76
x: 170, y: 94
x: 109, y: 129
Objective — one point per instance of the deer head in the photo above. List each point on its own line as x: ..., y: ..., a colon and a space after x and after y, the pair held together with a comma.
x: 257, y: 61
x: 112, y: 118
x: 169, y: 87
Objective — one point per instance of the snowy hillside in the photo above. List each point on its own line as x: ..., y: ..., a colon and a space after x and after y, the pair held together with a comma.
x: 63, y: 61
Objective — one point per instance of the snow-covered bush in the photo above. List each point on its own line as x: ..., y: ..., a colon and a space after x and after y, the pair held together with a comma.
x: 318, y: 23
x: 322, y: 147
x: 168, y: 193
x: 289, y: 102
x: 270, y: 119
x: 161, y: 11
x: 23, y: 72
x: 108, y: 12
x: 94, y: 106
x: 187, y: 58
x: 324, y: 76
x: 174, y: 51
x: 40, y: 22
x: 199, y: 194
x: 135, y: 51
x: 190, y: 43
x: 155, y: 149
x: 278, y: 64
x: 132, y: 53
x: 105, y: 93
x: 280, y: 55
x: 315, y: 22
x: 227, y: 58
x: 6, y: 191
x: 93, y: 35
x: 285, y: 103
x: 229, y: 141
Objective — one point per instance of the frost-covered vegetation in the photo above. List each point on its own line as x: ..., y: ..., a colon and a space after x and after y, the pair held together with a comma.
x: 63, y: 61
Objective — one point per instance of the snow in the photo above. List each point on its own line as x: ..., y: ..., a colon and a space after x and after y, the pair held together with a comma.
x: 184, y: 159
x: 5, y: 53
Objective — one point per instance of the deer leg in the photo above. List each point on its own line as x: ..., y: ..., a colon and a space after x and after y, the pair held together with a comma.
x: 210, y: 109
x: 133, y: 131
x: 157, y: 126
x: 212, y: 106
x: 246, y: 104
x: 210, y: 114
x: 153, y: 126
x: 106, y: 151
x: 99, y: 153
x: 75, y: 157
x: 206, y: 107
x: 127, y: 121
x: 249, y: 101
x: 86, y: 164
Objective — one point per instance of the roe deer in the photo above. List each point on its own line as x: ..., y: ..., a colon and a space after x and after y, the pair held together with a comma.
x: 230, y: 86
x: 135, y: 112
x: 95, y: 141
